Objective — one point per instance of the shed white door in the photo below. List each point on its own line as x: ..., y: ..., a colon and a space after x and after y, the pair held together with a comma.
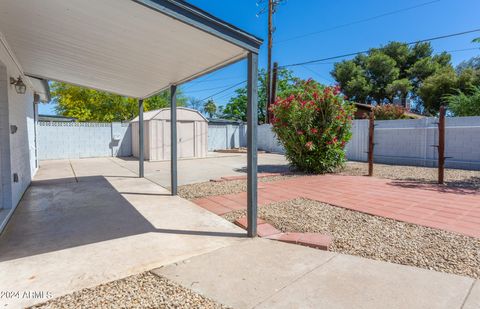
x: 185, y: 139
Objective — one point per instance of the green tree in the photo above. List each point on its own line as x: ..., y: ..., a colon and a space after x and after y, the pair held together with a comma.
x: 210, y: 108
x: 465, y: 104
x: 194, y: 103
x: 392, y: 71
x: 236, y: 108
x: 436, y: 87
x: 92, y: 105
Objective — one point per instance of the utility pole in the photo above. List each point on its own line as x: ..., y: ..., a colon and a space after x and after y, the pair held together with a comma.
x: 269, y: 61
x: 272, y: 7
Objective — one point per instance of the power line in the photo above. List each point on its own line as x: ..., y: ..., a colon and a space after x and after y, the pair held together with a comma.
x: 202, y: 90
x: 366, y: 51
x: 360, y: 21
x: 316, y: 73
x: 224, y: 90
x: 462, y: 50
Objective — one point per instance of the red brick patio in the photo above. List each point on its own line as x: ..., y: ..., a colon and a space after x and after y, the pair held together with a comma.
x: 450, y: 209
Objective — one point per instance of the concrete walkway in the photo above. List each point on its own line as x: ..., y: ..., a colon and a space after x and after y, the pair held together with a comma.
x: 450, y: 209
x: 87, y: 222
x: 266, y: 274
x: 90, y: 221
x: 217, y: 165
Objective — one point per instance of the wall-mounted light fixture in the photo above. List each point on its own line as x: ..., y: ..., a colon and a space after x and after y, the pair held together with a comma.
x: 20, y: 86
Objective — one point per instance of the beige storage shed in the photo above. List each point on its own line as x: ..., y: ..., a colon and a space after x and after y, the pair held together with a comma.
x: 192, y: 134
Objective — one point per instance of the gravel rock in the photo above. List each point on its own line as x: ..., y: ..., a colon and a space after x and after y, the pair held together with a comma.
x: 144, y: 290
x: 210, y: 188
x: 375, y: 237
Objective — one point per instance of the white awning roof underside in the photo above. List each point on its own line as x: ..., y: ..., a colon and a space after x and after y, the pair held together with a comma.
x: 119, y: 46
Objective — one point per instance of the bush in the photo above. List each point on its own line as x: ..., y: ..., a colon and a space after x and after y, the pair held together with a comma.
x: 313, y: 123
x: 388, y: 112
x: 465, y: 104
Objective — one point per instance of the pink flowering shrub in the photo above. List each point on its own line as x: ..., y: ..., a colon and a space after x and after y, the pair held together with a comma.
x: 313, y: 123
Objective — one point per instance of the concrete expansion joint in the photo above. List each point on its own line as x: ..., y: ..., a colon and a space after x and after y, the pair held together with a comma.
x: 469, y: 293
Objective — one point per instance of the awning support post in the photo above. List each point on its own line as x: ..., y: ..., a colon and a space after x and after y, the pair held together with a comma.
x: 141, y: 154
x: 252, y: 123
x: 173, y: 139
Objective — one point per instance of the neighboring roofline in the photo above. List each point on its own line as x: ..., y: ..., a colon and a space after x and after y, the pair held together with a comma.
x: 56, y: 116
x: 369, y: 106
x: 198, y: 18
x: 217, y: 120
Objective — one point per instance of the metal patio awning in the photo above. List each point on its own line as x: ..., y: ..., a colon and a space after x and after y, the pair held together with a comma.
x: 134, y: 48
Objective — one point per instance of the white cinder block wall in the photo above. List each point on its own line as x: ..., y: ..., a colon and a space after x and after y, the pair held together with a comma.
x: 17, y: 151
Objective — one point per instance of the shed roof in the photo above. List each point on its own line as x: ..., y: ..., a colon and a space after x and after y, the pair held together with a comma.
x: 182, y: 113
x: 134, y: 48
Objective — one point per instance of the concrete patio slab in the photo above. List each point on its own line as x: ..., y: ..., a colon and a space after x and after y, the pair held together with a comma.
x: 266, y: 274
x: 353, y: 282
x: 247, y: 274
x: 68, y: 235
x: 201, y: 170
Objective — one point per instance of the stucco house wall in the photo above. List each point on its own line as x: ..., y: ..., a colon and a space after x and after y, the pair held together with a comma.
x: 17, y: 150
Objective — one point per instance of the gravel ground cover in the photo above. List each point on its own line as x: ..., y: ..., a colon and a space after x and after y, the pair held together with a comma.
x: 211, y: 188
x: 144, y: 290
x: 375, y: 237
x: 417, y: 175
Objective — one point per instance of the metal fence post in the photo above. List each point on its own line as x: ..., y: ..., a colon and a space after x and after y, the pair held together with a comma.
x: 371, y: 144
x: 441, y: 146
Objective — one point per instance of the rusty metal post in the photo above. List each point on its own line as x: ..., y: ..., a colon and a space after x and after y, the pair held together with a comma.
x: 441, y: 146
x: 371, y: 145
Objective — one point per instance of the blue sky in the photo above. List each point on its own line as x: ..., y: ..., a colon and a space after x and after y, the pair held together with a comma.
x: 300, y: 17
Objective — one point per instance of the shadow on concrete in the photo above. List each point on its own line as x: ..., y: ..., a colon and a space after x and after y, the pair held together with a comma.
x: 56, y: 216
x: 454, y: 187
x: 269, y: 168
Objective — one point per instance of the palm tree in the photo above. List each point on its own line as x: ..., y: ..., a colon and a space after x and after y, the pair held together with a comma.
x: 210, y: 108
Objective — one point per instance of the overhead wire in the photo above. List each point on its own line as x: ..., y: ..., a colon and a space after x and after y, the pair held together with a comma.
x: 360, y: 21
x: 366, y: 51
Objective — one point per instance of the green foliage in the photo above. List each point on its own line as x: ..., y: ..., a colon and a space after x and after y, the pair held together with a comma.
x: 392, y: 71
x: 353, y: 79
x: 436, y: 87
x: 92, y: 105
x: 210, y: 108
x: 462, y: 104
x: 236, y: 109
x: 313, y: 123
x: 388, y: 112
x: 194, y: 103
